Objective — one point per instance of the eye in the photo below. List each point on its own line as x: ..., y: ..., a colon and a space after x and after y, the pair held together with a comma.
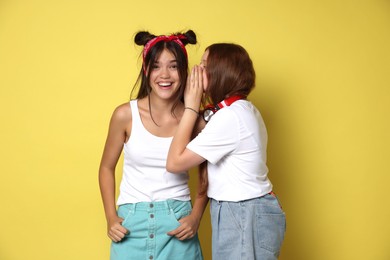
x: 173, y: 66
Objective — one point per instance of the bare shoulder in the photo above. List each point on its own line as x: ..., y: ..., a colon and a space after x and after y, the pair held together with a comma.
x: 122, y: 113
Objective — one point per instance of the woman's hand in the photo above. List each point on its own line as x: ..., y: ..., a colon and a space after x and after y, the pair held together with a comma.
x: 115, y: 231
x: 194, y: 89
x: 188, y: 227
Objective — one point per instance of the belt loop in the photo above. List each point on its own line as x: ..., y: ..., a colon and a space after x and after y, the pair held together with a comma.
x: 132, y: 208
x: 168, y: 206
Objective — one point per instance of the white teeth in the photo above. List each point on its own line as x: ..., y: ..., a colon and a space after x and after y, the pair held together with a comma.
x: 164, y: 84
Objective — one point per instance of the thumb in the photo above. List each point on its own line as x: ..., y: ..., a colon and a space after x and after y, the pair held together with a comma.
x: 174, y: 232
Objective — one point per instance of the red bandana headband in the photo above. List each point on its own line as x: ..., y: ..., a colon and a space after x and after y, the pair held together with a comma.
x: 171, y: 38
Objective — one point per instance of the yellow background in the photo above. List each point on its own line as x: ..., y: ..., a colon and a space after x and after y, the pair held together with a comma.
x: 322, y: 86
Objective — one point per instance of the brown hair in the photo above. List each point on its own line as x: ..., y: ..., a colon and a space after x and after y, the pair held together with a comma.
x: 229, y: 71
x: 142, y: 38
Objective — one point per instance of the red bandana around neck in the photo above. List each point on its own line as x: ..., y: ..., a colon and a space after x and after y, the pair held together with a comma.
x: 210, y: 110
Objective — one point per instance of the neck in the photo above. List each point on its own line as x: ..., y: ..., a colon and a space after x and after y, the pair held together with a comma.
x: 161, y: 106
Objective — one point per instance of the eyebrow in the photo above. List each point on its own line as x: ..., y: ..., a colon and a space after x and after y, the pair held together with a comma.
x: 171, y: 61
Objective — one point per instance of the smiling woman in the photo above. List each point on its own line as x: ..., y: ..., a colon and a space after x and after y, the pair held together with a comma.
x: 155, y: 219
x: 164, y: 76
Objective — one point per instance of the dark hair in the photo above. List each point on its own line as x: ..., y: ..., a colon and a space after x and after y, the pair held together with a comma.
x: 143, y: 80
x: 229, y: 71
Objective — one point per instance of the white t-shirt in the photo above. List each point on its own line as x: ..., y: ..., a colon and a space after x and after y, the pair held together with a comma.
x: 145, y: 177
x: 234, y: 142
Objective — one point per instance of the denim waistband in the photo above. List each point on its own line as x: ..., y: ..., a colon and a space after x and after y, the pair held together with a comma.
x: 247, y: 200
x: 153, y: 205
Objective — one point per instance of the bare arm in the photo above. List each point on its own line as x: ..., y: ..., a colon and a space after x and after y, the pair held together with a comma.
x: 112, y: 151
x: 190, y: 224
x: 179, y: 158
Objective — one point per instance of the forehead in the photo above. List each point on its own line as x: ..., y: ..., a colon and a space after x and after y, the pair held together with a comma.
x: 166, y: 55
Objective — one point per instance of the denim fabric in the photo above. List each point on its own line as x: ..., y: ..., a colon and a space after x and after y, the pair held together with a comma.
x: 148, y: 223
x: 247, y: 230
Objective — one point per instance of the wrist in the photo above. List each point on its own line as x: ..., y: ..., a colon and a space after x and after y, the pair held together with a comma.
x: 192, y: 110
x: 196, y: 217
x: 111, y: 217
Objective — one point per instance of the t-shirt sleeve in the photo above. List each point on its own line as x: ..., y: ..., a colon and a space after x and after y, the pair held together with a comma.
x: 219, y: 138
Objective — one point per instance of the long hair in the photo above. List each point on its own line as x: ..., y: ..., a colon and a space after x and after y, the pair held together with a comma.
x: 143, y: 80
x: 229, y: 71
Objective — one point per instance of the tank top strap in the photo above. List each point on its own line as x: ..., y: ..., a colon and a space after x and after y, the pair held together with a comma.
x: 136, y: 118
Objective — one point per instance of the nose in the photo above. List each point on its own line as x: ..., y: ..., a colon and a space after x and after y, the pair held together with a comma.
x: 164, y: 72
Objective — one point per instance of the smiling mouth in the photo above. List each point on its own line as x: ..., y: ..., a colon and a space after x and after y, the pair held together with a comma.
x: 165, y: 84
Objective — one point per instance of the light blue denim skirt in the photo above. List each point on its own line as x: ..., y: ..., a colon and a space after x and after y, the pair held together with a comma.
x: 148, y: 223
x: 247, y: 230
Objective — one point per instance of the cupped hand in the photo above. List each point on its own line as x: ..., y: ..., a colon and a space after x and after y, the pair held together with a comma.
x: 194, y: 89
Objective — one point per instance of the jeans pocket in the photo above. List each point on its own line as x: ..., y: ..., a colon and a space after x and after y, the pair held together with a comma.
x: 125, y: 213
x: 271, y: 223
x: 270, y: 230
x: 233, y: 214
x: 180, y: 209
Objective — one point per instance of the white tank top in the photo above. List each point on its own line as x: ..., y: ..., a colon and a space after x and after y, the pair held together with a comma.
x: 145, y: 177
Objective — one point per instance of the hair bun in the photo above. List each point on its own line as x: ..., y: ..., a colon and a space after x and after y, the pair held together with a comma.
x: 142, y: 37
x: 191, y: 37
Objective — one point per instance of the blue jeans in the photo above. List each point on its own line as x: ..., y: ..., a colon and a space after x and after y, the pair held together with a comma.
x: 247, y: 230
x: 148, y: 224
